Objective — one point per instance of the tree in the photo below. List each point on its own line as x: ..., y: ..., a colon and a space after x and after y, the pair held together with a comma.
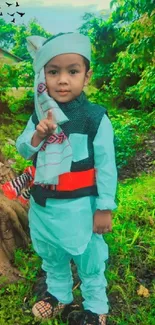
x: 13, y: 227
x: 123, y: 54
x: 13, y: 38
x: 22, y: 31
x: 130, y: 10
x: 7, y: 34
x: 133, y: 80
x: 102, y: 35
x: 20, y: 74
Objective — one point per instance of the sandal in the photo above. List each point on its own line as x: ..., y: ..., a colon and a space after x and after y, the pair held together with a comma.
x: 48, y: 307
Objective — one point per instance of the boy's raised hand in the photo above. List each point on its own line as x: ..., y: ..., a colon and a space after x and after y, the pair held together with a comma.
x: 46, y: 126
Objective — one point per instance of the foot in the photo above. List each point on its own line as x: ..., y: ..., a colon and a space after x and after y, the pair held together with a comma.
x: 86, y: 318
x: 48, y: 307
x: 69, y: 309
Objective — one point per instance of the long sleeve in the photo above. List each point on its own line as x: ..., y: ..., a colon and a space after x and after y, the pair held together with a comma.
x: 23, y: 143
x: 106, y: 172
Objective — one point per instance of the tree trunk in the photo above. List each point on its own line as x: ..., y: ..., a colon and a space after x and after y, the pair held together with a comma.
x: 13, y: 228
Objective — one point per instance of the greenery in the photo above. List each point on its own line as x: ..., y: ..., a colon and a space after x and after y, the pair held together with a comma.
x: 8, y: 134
x: 130, y: 132
x: 123, y: 54
x: 124, y: 82
x: 14, y: 37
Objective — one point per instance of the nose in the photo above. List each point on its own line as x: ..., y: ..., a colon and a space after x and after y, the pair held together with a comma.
x: 63, y: 78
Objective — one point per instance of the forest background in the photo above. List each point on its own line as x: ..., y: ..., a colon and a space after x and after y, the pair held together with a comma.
x: 123, y: 63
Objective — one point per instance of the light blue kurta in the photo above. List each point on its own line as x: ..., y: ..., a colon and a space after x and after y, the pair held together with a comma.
x: 64, y: 228
x: 68, y: 223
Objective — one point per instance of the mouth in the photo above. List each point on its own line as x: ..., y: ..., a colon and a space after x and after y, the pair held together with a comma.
x: 63, y: 92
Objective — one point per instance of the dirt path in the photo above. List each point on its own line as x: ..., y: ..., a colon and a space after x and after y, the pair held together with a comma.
x: 144, y: 160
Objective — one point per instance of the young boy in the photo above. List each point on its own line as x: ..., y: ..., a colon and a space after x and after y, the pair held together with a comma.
x: 71, y: 142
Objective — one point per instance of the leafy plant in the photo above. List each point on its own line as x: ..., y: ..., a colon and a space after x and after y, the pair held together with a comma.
x: 10, y: 152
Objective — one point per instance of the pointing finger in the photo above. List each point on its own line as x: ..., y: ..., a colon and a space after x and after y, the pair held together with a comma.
x: 49, y: 115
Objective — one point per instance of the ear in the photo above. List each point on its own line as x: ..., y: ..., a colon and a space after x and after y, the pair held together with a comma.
x: 34, y: 43
x: 88, y: 76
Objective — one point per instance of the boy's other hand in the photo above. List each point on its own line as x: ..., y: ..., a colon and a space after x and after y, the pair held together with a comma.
x: 46, y: 126
x: 102, y: 221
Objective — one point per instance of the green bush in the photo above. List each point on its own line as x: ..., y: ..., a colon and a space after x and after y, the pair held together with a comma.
x: 8, y: 134
x: 144, y: 91
x: 21, y: 104
x: 17, y: 86
x: 19, y: 163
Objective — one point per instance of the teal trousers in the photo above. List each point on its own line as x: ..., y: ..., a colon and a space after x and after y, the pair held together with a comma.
x: 90, y: 266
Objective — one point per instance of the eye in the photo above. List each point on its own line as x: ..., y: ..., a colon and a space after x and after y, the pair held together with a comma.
x: 52, y: 72
x: 73, y: 71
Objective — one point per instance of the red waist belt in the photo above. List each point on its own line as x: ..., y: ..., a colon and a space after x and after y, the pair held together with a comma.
x: 75, y: 180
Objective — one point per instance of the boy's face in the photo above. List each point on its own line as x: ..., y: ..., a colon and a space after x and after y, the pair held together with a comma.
x: 66, y: 76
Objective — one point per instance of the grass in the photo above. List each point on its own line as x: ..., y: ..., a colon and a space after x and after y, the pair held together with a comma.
x: 132, y: 253
x: 130, y: 266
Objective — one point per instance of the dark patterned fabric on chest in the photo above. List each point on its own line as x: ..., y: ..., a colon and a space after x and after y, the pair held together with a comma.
x: 84, y: 118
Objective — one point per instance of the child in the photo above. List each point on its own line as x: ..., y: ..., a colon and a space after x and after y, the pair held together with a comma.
x: 71, y: 142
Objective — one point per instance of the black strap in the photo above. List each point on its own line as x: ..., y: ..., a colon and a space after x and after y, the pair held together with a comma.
x: 40, y: 194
